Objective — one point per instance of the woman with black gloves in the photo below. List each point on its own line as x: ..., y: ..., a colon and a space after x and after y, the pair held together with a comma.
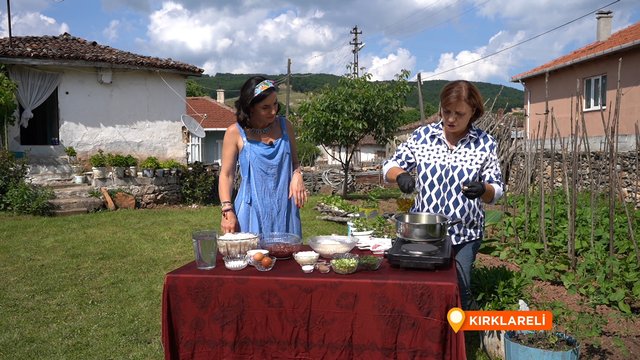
x: 457, y: 171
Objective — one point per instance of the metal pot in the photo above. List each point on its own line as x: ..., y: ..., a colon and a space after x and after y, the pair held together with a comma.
x: 423, y: 227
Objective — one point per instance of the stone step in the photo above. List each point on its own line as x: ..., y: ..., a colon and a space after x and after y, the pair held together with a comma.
x: 71, y: 211
x: 73, y: 198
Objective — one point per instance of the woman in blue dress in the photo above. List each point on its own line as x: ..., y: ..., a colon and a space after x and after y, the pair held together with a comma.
x: 271, y: 189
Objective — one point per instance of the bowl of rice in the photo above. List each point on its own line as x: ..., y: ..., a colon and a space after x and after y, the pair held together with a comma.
x: 235, y: 244
x: 329, y: 245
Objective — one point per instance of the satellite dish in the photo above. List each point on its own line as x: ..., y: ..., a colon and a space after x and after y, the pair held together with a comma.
x: 193, y: 126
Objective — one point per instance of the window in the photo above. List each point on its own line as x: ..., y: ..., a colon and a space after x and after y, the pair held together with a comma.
x: 43, y: 128
x: 595, y: 92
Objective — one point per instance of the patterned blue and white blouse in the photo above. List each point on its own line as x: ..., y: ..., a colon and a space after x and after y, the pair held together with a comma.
x: 441, y: 173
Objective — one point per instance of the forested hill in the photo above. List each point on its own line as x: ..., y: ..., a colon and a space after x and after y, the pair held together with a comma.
x: 305, y: 83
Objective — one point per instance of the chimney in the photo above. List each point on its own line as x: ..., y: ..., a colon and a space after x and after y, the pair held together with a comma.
x: 220, y: 96
x: 604, y: 25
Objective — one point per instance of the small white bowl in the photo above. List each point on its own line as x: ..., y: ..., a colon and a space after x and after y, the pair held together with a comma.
x: 307, y: 268
x: 235, y: 262
x: 306, y: 257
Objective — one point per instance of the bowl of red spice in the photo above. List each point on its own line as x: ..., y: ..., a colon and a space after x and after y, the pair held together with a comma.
x: 281, y: 245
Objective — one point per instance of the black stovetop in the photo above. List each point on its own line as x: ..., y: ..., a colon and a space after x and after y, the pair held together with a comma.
x: 423, y: 255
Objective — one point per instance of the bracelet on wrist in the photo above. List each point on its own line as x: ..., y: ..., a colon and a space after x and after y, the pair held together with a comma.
x: 227, y: 209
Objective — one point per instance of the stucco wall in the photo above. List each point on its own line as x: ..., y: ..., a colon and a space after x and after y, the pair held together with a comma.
x: 562, y: 90
x: 137, y: 114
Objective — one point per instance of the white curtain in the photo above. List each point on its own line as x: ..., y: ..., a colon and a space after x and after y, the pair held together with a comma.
x: 34, y: 87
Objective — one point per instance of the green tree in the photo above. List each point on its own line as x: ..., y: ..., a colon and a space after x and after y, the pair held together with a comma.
x: 195, y: 89
x: 339, y: 117
x: 7, y: 104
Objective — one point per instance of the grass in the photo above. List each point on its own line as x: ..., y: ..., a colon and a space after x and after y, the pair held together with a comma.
x: 90, y: 286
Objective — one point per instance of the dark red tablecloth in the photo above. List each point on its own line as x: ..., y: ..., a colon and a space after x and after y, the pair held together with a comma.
x: 391, y: 313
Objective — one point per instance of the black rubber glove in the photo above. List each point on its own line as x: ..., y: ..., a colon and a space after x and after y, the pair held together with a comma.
x: 406, y: 183
x: 473, y: 190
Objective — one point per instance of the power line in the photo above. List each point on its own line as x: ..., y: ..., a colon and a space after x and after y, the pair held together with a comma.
x: 521, y: 42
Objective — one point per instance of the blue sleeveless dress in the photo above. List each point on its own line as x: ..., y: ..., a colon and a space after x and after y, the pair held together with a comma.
x: 262, y: 204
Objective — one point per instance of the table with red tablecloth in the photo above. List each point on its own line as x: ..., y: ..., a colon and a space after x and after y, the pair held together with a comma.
x: 391, y: 313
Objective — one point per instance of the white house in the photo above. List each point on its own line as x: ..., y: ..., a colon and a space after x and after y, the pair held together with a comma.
x: 214, y: 117
x: 74, y: 92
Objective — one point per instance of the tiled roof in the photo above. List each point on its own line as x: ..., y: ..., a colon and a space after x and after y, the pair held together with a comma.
x: 622, y: 39
x: 210, y: 113
x: 70, y: 49
x: 410, y: 127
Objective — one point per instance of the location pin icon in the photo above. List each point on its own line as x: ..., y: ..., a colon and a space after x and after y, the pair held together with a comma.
x: 456, y: 318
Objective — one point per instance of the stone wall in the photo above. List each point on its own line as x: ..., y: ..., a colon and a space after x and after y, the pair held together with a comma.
x: 593, y: 172
x: 148, y: 192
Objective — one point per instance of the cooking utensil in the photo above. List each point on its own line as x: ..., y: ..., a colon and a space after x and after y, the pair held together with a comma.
x: 423, y: 227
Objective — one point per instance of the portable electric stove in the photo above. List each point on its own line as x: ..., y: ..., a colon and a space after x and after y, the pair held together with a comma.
x: 420, y: 255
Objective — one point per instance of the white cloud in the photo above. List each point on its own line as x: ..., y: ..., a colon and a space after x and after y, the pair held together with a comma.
x: 32, y: 24
x: 386, y: 68
x: 111, y: 32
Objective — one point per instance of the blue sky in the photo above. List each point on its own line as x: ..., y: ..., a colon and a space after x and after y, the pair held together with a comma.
x: 252, y: 36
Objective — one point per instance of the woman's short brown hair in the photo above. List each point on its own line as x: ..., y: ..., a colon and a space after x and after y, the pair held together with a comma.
x: 462, y: 90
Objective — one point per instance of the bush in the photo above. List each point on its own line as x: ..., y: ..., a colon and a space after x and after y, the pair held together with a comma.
x: 172, y: 164
x: 131, y: 161
x: 199, y: 186
x: 150, y: 163
x: 12, y: 173
x: 99, y: 159
x: 307, y: 153
x: 70, y: 151
x: 116, y: 160
x: 30, y: 199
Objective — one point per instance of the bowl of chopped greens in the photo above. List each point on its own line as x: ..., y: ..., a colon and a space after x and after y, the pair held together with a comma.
x: 369, y: 262
x: 345, y: 263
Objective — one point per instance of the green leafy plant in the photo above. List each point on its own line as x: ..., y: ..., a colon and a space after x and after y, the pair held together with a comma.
x: 150, y: 162
x: 99, y: 159
x: 116, y: 160
x: 70, y: 151
x: 30, y: 199
x: 171, y: 164
x: 199, y: 186
x: 498, y: 288
x: 12, y: 174
x: 603, y: 279
x: 8, y: 102
x: 131, y: 161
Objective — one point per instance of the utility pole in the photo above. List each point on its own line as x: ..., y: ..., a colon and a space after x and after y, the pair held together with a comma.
x: 288, y: 86
x: 356, y: 48
x: 422, y: 117
x: 9, y: 20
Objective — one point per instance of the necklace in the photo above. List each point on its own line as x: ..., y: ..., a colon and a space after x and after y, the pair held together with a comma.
x: 261, y: 131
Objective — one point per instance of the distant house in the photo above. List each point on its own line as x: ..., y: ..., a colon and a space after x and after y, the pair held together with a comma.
x: 214, y: 116
x: 588, y: 75
x: 74, y: 92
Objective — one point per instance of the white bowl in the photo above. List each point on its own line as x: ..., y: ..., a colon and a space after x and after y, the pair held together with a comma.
x: 235, y: 262
x: 329, y: 245
x: 306, y: 257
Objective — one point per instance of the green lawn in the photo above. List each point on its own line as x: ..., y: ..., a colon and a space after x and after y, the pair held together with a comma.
x: 90, y: 286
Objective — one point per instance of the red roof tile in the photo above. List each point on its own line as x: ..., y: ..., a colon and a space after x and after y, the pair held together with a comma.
x: 622, y: 39
x: 210, y: 113
x: 70, y: 48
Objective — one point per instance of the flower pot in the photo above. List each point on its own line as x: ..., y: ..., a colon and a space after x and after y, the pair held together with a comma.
x: 78, y: 179
x: 148, y: 173
x: 118, y: 171
x: 514, y: 350
x: 99, y: 172
x: 133, y: 171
